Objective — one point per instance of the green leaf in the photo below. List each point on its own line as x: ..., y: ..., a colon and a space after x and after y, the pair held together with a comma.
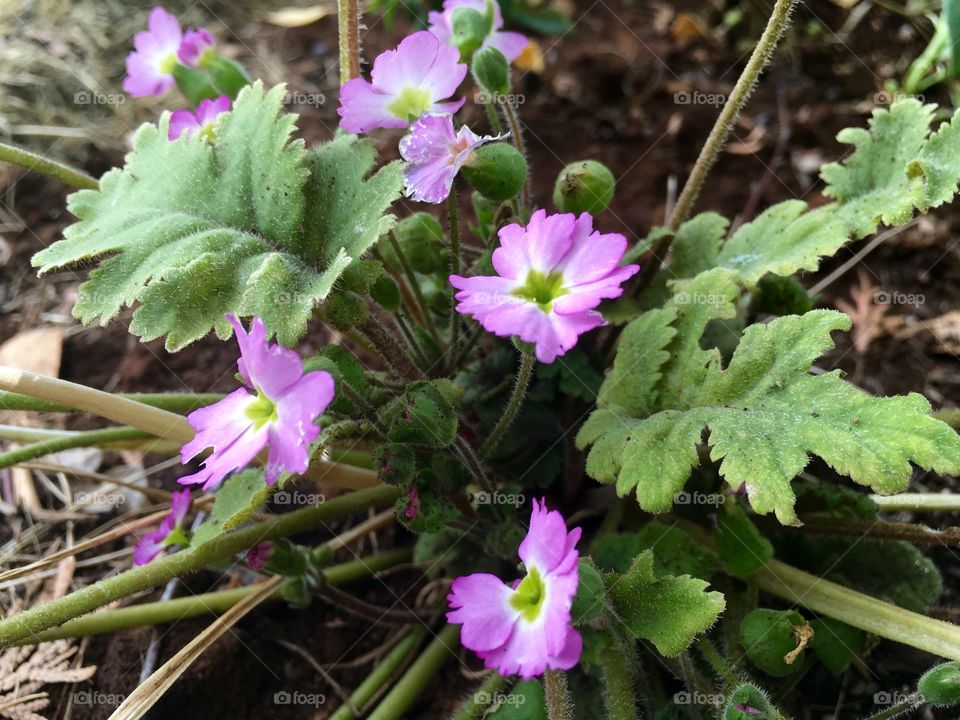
x: 669, y: 611
x: 235, y: 503
x: 423, y: 416
x: 743, y: 548
x: 675, y: 552
x: 771, y: 637
x: 836, y: 643
x: 765, y: 414
x: 525, y: 701
x: 897, y: 167
x: 192, y: 230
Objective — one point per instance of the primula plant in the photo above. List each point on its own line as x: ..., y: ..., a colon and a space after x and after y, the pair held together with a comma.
x: 573, y: 569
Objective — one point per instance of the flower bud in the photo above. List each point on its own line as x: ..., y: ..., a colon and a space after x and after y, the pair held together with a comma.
x: 194, y: 85
x: 470, y: 29
x: 395, y: 463
x: 940, y: 686
x: 585, y: 186
x: 491, y: 71
x: 748, y: 702
x: 497, y: 171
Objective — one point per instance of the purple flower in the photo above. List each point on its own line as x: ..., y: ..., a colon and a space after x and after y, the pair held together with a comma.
x: 168, y: 533
x: 550, y: 277
x: 405, y: 84
x: 201, y: 122
x: 277, y: 407
x: 511, y: 44
x: 197, y: 48
x: 525, y: 628
x: 435, y: 154
x: 150, y: 67
x: 257, y: 556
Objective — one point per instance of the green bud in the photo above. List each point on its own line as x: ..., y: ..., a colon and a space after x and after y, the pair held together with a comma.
x: 774, y: 640
x: 287, y: 559
x: 748, y: 702
x: 345, y: 310
x: 424, y: 417
x: 470, y: 29
x: 194, y: 85
x: 228, y: 77
x: 296, y: 590
x: 940, y: 686
x: 491, y: 71
x: 386, y: 293
x: 585, y: 186
x: 420, y: 237
x: 396, y: 463
x: 497, y: 171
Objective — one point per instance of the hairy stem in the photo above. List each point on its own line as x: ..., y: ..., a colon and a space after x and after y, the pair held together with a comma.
x: 389, y: 349
x: 514, y: 404
x: 894, y: 711
x: 25, y: 626
x: 513, y: 120
x: 862, y: 611
x: 735, y: 103
x: 165, y: 611
x: 89, y: 438
x: 619, y: 680
x: 348, y: 24
x: 418, y: 675
x: 559, y: 702
x: 45, y: 166
x: 381, y: 674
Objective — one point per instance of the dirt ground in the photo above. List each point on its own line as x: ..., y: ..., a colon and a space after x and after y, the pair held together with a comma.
x: 613, y: 90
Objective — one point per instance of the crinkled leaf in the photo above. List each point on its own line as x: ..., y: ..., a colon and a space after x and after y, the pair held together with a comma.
x: 235, y: 503
x: 191, y: 230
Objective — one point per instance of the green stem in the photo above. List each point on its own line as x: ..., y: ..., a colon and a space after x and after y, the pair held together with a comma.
x: 918, y: 502
x: 720, y: 667
x: 174, y: 402
x: 559, y: 702
x: 513, y: 120
x: 389, y: 349
x: 25, y: 626
x: 862, y: 611
x: 407, y: 690
x: 46, y: 166
x: 475, y: 707
x: 514, y: 404
x: 453, y: 221
x: 165, y: 611
x: 348, y: 25
x: 415, y: 287
x: 90, y: 438
x: 911, y: 703
x: 380, y: 674
x: 494, y: 119
x: 619, y: 680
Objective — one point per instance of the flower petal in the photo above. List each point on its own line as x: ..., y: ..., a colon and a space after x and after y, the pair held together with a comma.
x: 481, y: 603
x: 363, y: 108
x: 290, y: 436
x: 545, y: 543
x: 265, y: 366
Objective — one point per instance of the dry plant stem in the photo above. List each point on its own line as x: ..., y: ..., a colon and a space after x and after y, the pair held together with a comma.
x: 381, y: 674
x: 348, y: 23
x: 418, y: 675
x: 219, y: 601
x: 559, y: 702
x: 46, y: 166
x: 514, y: 404
x: 862, y: 611
x: 761, y: 55
x: 911, y: 532
x: 25, y: 626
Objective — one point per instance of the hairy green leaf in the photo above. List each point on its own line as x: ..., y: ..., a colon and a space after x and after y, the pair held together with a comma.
x: 250, y: 224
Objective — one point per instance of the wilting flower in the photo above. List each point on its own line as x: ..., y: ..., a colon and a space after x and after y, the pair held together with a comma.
x: 150, y: 67
x: 257, y: 556
x: 405, y: 83
x: 170, y: 531
x: 511, y: 44
x: 435, y: 154
x: 525, y: 628
x: 551, y: 275
x: 277, y: 407
x: 197, y: 48
x: 201, y: 122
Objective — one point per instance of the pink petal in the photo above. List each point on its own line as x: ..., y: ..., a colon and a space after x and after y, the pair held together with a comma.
x: 179, y: 506
x: 510, y: 259
x: 290, y: 436
x: 592, y: 255
x: 589, y: 295
x: 193, y: 45
x: 363, y: 108
x: 182, y: 121
x: 481, y: 295
x: 481, y: 603
x: 209, y: 110
x: 548, y: 238
x: 546, y: 540
x: 265, y: 366
x: 149, y: 546
x: 511, y: 44
x: 164, y: 27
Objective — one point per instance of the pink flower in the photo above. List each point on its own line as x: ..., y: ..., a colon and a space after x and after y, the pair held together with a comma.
x: 435, y: 154
x: 511, y: 44
x: 150, y: 67
x: 196, y: 49
x: 257, y: 556
x: 201, y: 122
x: 170, y: 531
x: 405, y: 84
x: 526, y: 628
x: 277, y: 407
x: 413, y: 504
x: 550, y: 277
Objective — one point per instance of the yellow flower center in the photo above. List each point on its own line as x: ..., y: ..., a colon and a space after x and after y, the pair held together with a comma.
x: 262, y: 411
x: 529, y: 596
x: 411, y: 103
x: 542, y: 289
